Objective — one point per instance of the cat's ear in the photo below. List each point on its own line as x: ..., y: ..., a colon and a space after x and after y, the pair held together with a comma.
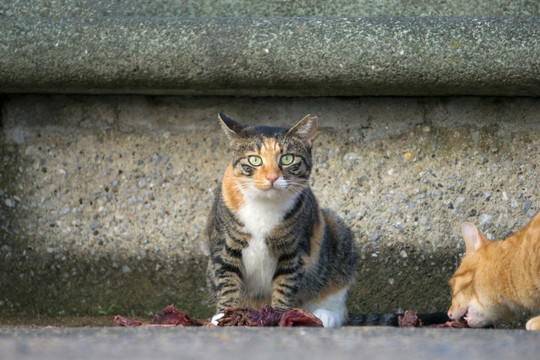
x: 474, y: 239
x: 230, y: 127
x: 305, y: 129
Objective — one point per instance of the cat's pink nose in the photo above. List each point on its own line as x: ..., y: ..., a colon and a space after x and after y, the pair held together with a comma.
x: 272, y: 178
x: 450, y: 315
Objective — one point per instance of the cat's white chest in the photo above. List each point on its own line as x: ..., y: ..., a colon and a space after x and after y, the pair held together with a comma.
x: 259, y: 218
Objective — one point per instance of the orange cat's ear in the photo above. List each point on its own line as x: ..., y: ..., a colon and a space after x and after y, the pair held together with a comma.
x: 305, y: 129
x: 474, y: 239
x: 230, y: 127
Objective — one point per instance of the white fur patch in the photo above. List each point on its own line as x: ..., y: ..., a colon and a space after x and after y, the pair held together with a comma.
x: 262, y: 211
x: 328, y: 318
x: 331, y: 310
x: 280, y: 183
x: 216, y: 317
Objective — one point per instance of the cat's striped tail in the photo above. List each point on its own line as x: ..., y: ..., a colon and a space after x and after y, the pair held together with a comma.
x: 392, y: 319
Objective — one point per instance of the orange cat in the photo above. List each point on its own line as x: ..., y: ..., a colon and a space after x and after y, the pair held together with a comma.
x: 497, y: 279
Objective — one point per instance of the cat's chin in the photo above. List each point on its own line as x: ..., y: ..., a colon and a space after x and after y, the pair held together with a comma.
x: 476, y: 319
x: 272, y: 193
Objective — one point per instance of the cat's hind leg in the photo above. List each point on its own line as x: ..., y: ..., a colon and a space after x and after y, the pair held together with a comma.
x: 332, y: 309
x: 533, y: 324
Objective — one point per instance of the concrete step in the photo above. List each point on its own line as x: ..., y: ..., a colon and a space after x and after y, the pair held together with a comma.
x: 272, y: 56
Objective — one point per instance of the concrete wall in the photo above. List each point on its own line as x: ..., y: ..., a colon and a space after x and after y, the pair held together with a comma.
x: 103, y: 199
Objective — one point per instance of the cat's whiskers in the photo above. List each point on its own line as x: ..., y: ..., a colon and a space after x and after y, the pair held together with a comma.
x: 291, y: 187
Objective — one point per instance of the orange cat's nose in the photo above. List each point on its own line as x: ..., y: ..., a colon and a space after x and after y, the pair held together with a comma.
x: 272, y: 178
x: 450, y: 315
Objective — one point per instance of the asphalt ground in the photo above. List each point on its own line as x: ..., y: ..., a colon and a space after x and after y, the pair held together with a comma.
x: 267, y: 343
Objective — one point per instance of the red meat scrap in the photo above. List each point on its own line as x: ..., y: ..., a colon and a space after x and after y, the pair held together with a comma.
x: 122, y: 321
x: 171, y: 316
x: 268, y: 316
x: 299, y: 317
x: 166, y: 317
x: 450, y: 324
x: 411, y: 320
x: 233, y: 316
x: 239, y: 316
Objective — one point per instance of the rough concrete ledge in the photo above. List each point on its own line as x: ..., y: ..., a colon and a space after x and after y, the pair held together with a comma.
x: 272, y: 56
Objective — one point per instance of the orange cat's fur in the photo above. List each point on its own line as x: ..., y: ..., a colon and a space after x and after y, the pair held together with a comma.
x: 497, y: 279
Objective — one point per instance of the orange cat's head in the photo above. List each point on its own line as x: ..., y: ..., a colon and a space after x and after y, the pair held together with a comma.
x: 472, y: 300
x: 268, y: 162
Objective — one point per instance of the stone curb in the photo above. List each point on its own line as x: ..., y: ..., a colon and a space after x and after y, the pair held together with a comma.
x: 272, y: 56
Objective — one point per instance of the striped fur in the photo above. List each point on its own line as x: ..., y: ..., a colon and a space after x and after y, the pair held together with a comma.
x: 498, y: 279
x: 269, y: 241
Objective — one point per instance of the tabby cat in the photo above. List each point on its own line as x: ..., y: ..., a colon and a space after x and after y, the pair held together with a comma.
x: 497, y: 279
x: 269, y: 241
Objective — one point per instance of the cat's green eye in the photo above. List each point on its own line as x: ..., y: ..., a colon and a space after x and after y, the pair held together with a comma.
x: 255, y: 160
x: 287, y: 159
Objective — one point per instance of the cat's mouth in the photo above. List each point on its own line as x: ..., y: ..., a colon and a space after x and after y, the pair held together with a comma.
x: 464, y: 319
x: 271, y: 188
x: 271, y: 191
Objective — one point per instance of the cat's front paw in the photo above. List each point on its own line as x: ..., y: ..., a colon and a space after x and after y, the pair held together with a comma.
x: 216, y: 317
x: 533, y: 324
x: 328, y: 318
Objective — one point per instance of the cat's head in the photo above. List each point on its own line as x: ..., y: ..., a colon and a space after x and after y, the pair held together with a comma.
x: 270, y: 161
x: 472, y: 300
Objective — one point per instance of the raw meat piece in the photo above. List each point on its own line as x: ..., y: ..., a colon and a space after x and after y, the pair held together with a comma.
x: 450, y: 324
x: 267, y: 316
x: 122, y: 321
x: 171, y: 316
x: 410, y: 320
x: 299, y: 317
x: 166, y: 317
x: 239, y: 316
x: 233, y: 316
